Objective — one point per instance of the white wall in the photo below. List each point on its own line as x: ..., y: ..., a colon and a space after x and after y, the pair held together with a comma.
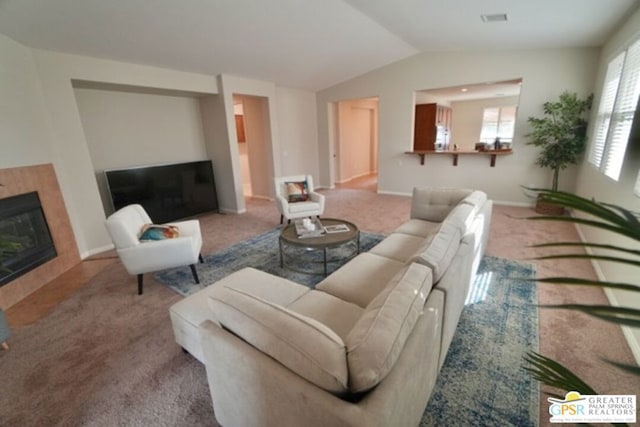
x: 466, y: 119
x: 545, y: 73
x: 25, y: 135
x: 125, y: 129
x: 219, y: 144
x: 298, y: 132
x: 73, y: 160
x: 592, y: 184
x: 41, y: 123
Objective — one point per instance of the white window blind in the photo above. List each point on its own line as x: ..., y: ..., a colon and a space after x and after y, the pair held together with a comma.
x: 605, y: 109
x: 614, y: 122
x: 498, y: 122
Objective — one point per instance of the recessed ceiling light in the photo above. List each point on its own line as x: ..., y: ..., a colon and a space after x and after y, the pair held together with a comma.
x: 464, y: 89
x: 494, y: 17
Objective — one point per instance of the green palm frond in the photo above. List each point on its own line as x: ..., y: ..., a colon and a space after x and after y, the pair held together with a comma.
x: 553, y: 374
x: 614, y: 218
x: 586, y: 282
x: 591, y: 256
x: 632, y: 369
x: 588, y: 245
x: 620, y: 315
x: 603, y: 216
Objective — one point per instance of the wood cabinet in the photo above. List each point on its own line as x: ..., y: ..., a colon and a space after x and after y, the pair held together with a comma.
x: 240, y: 128
x: 432, y: 127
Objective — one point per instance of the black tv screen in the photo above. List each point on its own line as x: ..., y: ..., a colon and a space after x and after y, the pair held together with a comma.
x: 167, y: 192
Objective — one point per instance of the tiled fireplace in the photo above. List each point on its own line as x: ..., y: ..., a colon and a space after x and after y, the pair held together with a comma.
x: 35, y: 216
x: 25, y: 239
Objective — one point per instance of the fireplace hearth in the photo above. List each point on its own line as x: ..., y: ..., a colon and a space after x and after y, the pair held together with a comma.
x: 25, y: 239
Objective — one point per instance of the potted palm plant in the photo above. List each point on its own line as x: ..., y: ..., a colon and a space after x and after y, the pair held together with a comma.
x: 561, y: 135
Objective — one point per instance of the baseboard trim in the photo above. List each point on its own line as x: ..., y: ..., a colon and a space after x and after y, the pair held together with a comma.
x: 515, y: 204
x: 394, y: 193
x: 232, y: 211
x: 95, y: 251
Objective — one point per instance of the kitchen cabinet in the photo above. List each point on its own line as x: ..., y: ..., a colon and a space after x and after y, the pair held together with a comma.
x: 432, y: 127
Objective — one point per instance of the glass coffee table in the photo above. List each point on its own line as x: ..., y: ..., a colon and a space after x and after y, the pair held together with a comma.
x: 324, y: 242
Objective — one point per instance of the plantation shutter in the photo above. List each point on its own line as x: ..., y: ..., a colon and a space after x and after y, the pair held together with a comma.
x: 623, y: 112
x: 605, y: 110
x: 507, y: 123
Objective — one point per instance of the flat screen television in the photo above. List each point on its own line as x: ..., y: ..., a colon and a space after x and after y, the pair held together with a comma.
x: 167, y: 192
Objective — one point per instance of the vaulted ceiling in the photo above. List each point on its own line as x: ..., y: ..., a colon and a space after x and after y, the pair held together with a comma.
x: 307, y: 44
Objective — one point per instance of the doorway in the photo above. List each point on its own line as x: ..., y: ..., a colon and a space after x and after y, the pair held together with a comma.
x: 356, y: 144
x: 252, y: 129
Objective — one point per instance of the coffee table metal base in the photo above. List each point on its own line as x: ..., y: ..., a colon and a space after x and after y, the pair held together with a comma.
x: 325, y: 242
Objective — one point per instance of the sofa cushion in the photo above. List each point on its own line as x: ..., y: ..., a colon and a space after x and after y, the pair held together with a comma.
x: 376, y: 341
x: 361, y: 279
x: 418, y: 227
x: 439, y: 249
x: 338, y: 315
x: 305, y: 346
x: 187, y: 314
x: 398, y: 246
x: 307, y: 206
x: 434, y: 204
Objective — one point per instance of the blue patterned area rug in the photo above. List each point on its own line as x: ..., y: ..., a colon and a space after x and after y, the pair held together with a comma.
x: 482, y: 382
x: 262, y: 252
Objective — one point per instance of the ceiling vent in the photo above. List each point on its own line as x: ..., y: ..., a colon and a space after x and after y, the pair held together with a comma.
x: 494, y: 17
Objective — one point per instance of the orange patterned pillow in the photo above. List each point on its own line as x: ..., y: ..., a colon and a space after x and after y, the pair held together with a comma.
x: 297, y: 191
x: 152, y: 232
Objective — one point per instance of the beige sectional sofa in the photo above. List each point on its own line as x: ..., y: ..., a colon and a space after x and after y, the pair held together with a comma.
x: 362, y: 348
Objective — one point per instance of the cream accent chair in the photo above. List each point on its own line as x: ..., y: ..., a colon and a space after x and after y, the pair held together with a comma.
x: 312, y: 207
x: 124, y: 227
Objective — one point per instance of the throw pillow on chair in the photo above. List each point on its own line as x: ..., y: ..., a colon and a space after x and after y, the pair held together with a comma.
x: 297, y: 191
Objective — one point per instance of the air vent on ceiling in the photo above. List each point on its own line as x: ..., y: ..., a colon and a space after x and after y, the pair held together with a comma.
x: 494, y: 17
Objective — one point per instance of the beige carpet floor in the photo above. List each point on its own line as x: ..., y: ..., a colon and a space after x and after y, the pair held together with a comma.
x: 106, y: 356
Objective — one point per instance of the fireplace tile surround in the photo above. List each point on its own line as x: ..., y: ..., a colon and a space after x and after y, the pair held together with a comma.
x: 40, y: 178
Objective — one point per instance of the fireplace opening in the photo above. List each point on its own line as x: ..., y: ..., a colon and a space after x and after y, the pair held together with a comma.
x: 25, y: 240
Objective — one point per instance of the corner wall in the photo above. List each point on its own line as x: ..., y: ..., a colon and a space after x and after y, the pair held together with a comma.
x: 593, y: 184
x: 545, y: 73
x: 298, y: 132
x: 128, y: 129
x: 73, y: 160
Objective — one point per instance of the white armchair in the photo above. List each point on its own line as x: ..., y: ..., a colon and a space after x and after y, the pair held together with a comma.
x: 124, y: 227
x: 310, y: 204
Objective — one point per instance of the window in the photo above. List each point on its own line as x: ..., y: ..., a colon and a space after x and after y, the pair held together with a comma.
x: 617, y: 107
x: 498, y: 122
